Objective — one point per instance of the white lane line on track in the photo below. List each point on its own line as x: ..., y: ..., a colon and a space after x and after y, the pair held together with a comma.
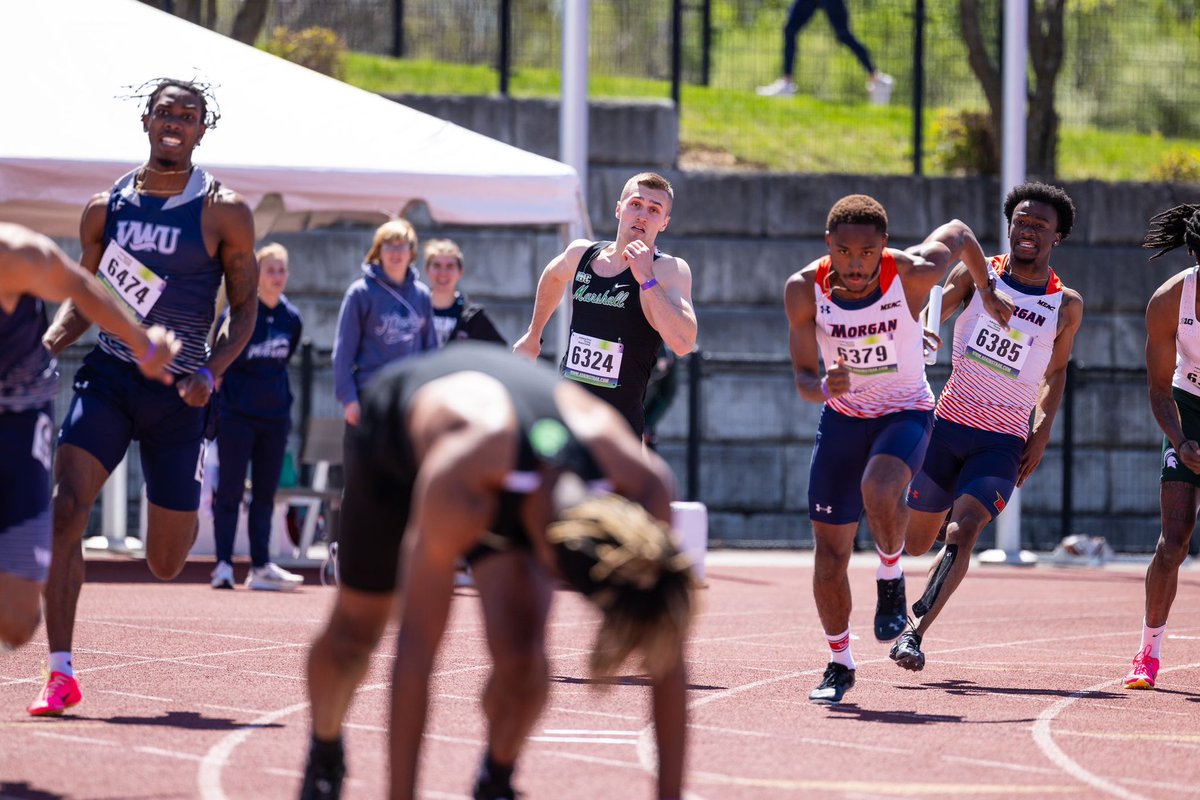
x: 1001, y: 765
x: 238, y: 709
x: 731, y: 731
x: 587, y: 732
x: 611, y: 762
x: 1182, y: 788
x: 81, y: 739
x: 1044, y: 739
x: 583, y: 740
x: 135, y: 696
x: 157, y: 751
x: 208, y: 777
x: 607, y: 714
x: 1146, y: 710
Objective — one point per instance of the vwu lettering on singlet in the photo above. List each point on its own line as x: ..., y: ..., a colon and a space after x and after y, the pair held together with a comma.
x: 141, y: 237
x: 601, y: 298
x: 840, y: 331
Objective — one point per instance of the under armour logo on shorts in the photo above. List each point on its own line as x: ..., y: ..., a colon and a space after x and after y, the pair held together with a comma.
x: 824, y: 509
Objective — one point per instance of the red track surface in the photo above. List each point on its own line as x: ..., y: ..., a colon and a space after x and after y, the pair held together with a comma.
x: 190, y: 693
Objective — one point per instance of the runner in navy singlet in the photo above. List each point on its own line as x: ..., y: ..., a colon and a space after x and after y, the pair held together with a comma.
x: 473, y: 452
x: 34, y: 270
x: 627, y: 299
x: 160, y: 240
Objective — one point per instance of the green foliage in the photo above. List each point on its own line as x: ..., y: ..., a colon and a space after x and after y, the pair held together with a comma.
x: 964, y: 143
x: 1179, y: 165
x: 317, y: 48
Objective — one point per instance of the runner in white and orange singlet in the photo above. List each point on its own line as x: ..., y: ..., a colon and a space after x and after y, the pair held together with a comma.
x: 856, y: 310
x: 982, y: 446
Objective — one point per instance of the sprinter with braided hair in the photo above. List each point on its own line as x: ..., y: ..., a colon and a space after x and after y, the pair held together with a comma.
x: 473, y: 453
x: 1173, y: 372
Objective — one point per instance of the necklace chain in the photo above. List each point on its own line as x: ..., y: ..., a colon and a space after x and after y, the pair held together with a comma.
x: 139, y: 181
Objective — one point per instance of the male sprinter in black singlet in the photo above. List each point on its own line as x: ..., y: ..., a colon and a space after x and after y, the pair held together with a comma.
x: 470, y: 452
x: 627, y: 299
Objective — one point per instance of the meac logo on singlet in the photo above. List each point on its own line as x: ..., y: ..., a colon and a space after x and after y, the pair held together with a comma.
x: 141, y: 237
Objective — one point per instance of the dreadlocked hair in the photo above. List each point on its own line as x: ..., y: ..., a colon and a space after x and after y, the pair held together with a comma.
x: 628, y: 564
x: 857, y: 209
x: 1173, y: 228
x: 149, y: 91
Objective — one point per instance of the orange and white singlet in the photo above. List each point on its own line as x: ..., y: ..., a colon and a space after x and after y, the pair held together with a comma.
x: 996, y: 373
x: 1187, y: 339
x: 880, y: 343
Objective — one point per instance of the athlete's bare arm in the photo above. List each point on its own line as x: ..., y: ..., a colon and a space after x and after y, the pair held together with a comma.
x: 799, y: 301
x: 70, y: 323
x: 668, y: 304
x: 554, y: 280
x: 956, y: 291
x: 636, y: 474
x: 1162, y: 319
x: 946, y: 245
x: 1050, y: 394
x: 227, y: 222
x: 452, y: 507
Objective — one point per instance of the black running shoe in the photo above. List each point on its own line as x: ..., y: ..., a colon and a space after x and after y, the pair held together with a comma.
x: 322, y: 781
x: 493, y: 791
x: 834, y: 684
x: 891, y: 613
x: 907, y: 651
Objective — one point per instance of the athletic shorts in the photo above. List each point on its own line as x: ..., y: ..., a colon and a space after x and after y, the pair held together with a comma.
x: 380, y: 473
x: 1189, y: 414
x: 842, y: 449
x: 26, y: 456
x: 115, y: 404
x: 962, y: 460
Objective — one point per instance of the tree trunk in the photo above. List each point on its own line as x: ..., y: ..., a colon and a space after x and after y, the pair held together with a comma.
x: 1046, y: 56
x: 251, y: 17
x: 188, y: 9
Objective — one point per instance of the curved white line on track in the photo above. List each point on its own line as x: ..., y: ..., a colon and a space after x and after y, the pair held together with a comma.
x: 209, y: 774
x: 1044, y: 739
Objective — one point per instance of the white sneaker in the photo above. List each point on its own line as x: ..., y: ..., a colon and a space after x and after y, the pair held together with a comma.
x: 272, y: 578
x: 780, y: 88
x: 879, y: 88
x: 222, y: 575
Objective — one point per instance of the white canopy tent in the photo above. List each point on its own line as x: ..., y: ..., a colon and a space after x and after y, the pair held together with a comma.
x: 299, y: 146
x: 303, y: 149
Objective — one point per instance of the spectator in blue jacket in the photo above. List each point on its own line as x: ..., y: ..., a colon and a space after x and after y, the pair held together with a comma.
x: 255, y: 416
x: 386, y: 315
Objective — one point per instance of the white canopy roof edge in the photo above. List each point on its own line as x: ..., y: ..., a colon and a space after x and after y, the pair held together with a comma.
x: 322, y: 146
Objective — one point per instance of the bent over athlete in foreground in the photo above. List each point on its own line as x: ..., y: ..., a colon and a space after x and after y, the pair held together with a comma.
x: 472, y: 452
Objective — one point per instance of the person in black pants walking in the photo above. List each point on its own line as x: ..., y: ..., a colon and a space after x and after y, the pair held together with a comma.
x: 255, y: 406
x: 839, y: 19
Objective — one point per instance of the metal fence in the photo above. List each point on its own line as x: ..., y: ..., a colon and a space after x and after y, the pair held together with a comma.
x: 1132, y: 65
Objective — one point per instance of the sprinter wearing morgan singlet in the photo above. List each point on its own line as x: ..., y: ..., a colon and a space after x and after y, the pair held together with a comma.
x: 856, y: 310
x: 982, y: 446
x: 34, y: 270
x: 470, y: 451
x: 626, y: 299
x: 161, y: 241
x: 1173, y: 373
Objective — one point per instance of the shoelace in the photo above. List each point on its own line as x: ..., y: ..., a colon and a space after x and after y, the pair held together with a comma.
x: 53, y: 685
x: 1140, y: 659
